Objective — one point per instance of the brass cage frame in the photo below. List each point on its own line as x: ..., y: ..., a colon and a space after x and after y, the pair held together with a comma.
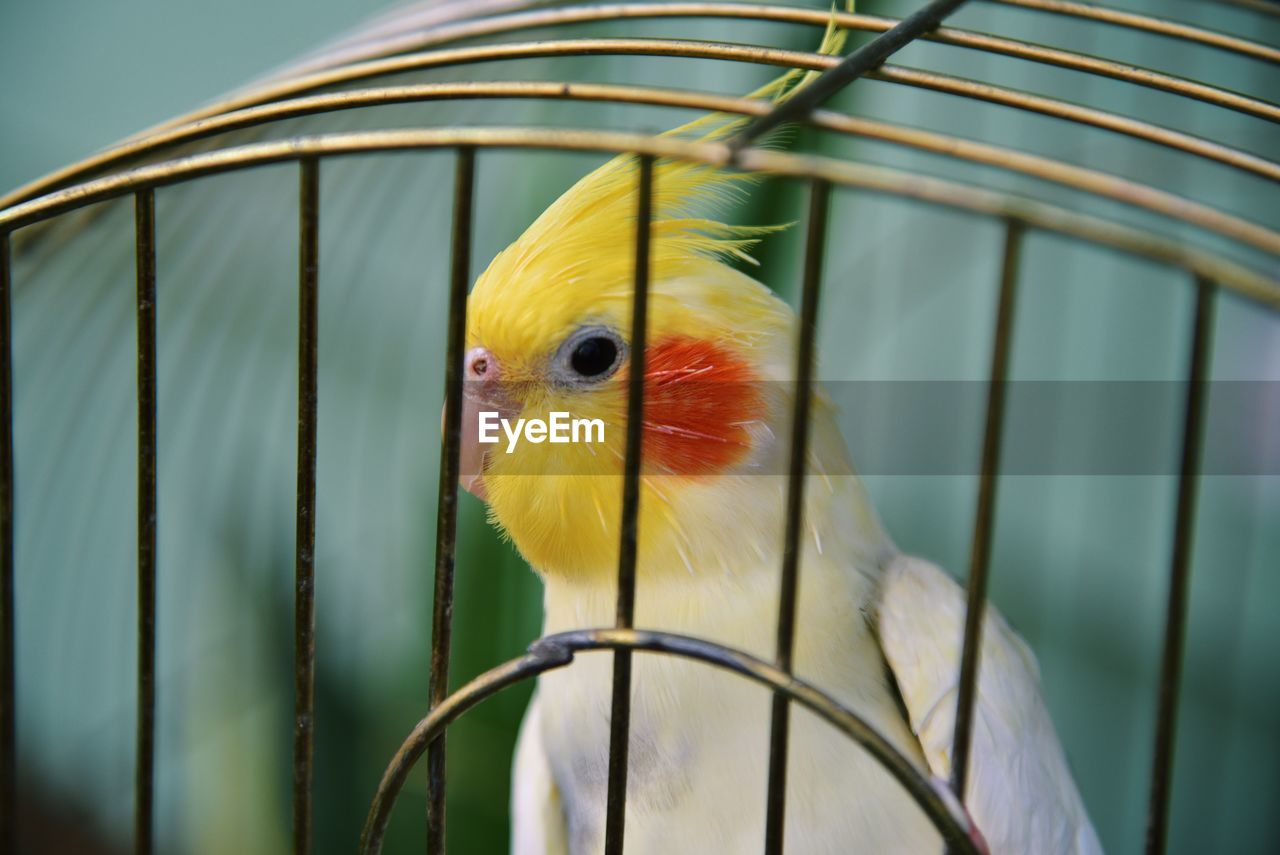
x: 107, y: 176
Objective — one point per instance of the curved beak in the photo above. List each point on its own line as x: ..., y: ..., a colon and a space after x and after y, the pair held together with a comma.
x: 471, y: 454
x: 481, y: 393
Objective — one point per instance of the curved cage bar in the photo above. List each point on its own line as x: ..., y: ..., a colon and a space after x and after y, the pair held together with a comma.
x: 1019, y: 213
x: 411, y: 38
x: 1254, y: 285
x: 386, y: 60
x: 1147, y: 24
x: 363, y: 65
x: 323, y: 85
x: 291, y: 108
x: 558, y: 651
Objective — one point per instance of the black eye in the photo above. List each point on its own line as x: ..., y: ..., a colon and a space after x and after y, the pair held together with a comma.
x: 594, y: 356
x: 588, y: 356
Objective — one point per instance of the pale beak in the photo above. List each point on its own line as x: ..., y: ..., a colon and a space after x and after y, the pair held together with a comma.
x: 481, y: 392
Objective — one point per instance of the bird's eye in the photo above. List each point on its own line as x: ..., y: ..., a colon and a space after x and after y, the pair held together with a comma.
x: 594, y: 356
x: 590, y: 355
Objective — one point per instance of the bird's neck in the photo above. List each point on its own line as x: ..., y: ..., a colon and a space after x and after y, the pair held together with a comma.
x: 719, y: 575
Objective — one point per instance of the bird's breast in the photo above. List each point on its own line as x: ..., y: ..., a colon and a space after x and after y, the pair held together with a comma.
x: 699, y: 736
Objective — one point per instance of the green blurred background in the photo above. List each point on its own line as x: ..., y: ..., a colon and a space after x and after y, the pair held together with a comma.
x: 1079, y: 563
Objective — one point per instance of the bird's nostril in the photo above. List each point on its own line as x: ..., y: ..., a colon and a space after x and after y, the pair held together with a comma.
x: 480, y: 365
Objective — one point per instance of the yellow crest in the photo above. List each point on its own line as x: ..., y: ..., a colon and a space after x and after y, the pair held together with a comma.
x: 576, y: 259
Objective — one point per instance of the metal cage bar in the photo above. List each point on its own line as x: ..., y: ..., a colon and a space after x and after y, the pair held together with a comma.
x: 144, y: 771
x: 1198, y: 374
x: 377, y: 63
x: 557, y: 651
x: 8, y: 693
x: 304, y: 614
x: 362, y: 65
x: 620, y: 704
x: 1079, y: 114
x: 309, y: 105
x: 1123, y: 72
x: 447, y: 502
x: 797, y: 469
x: 416, y: 38
x: 264, y: 105
x: 1147, y: 24
x: 849, y: 69
x: 984, y: 518
x: 1248, y: 283
x: 1161, y: 201
x: 1044, y: 168
x: 880, y: 180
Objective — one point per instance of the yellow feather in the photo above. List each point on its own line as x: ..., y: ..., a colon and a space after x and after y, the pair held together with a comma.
x: 575, y: 259
x: 574, y: 266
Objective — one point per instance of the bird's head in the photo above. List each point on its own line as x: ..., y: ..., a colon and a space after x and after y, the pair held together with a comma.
x: 549, y: 332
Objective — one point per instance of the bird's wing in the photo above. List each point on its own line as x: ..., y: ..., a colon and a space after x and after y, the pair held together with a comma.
x: 537, y: 818
x: 1020, y: 791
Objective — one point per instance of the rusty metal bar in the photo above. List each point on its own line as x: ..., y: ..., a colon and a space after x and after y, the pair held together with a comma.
x: 378, y: 62
x: 1102, y: 184
x: 1082, y: 178
x: 1180, y: 566
x: 8, y: 658
x: 984, y: 518
x: 447, y: 506
x: 1159, y: 81
x: 1250, y: 284
x: 415, y: 38
x: 309, y: 105
x: 1147, y: 24
x: 558, y: 650
x: 304, y: 617
x: 779, y: 725
x: 1114, y: 122
x: 869, y: 56
x: 620, y: 714
x: 144, y: 769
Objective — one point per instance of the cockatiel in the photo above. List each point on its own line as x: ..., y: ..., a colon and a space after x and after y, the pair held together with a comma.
x: 549, y: 331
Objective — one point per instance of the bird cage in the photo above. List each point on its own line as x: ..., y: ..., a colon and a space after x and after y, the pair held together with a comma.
x: 1053, y: 178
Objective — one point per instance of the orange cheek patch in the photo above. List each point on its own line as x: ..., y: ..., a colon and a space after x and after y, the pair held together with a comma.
x: 698, y: 396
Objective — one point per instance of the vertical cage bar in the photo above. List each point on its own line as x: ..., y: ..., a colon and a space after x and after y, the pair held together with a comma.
x: 1180, y: 567
x: 447, y: 507
x: 8, y: 692
x: 304, y: 615
x: 780, y: 720
x: 144, y: 771
x: 620, y: 715
x: 984, y: 518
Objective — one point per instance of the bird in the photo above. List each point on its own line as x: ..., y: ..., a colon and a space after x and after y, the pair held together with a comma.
x: 549, y: 331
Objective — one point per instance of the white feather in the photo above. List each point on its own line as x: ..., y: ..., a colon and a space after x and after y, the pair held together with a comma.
x: 537, y: 819
x: 1020, y: 790
x: 699, y: 735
